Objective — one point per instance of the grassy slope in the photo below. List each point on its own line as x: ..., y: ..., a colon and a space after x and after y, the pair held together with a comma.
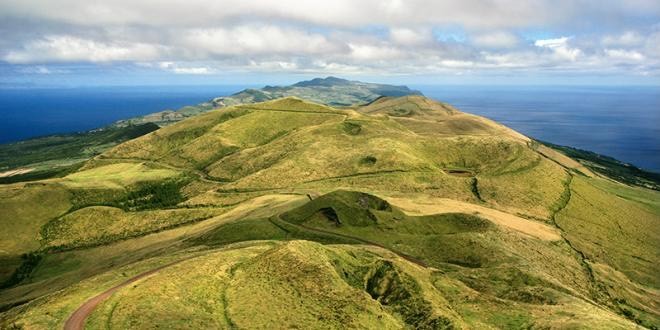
x: 57, y: 155
x: 611, y: 167
x: 330, y: 91
x: 62, y: 269
x: 101, y: 224
x: 28, y: 208
x: 25, y: 208
x: 506, y: 277
x: 616, y: 229
x: 60, y: 154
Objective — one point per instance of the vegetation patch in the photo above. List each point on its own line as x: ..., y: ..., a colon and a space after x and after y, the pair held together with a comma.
x: 512, y: 284
x: 153, y: 196
x: 349, y: 208
x: 97, y: 225
x: 474, y: 187
x: 30, y: 261
x: 441, y: 238
x: 62, y: 148
x: 351, y: 127
x: 43, y: 172
x: 402, y: 294
x: 401, y: 112
x: 368, y: 160
x: 239, y: 231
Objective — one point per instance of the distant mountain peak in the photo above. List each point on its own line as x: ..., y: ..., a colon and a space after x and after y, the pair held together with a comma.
x: 327, y: 81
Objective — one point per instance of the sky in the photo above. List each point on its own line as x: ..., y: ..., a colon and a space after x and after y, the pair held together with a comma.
x: 152, y: 42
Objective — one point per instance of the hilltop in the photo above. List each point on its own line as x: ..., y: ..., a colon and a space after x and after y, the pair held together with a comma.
x: 403, y: 212
x: 58, y: 155
x: 330, y: 91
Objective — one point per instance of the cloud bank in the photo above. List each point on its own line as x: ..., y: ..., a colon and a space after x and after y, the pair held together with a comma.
x: 206, y: 37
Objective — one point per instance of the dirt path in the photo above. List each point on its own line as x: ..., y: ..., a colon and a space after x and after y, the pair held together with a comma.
x: 77, y: 320
x: 15, y: 172
x: 423, y: 205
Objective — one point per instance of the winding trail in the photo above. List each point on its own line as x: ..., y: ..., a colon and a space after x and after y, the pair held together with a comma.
x: 277, y: 221
x: 77, y: 320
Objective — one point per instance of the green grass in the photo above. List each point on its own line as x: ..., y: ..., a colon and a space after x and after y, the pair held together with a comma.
x: 29, y: 262
x: 117, y: 176
x: 239, y: 231
x: 98, y: 225
x: 58, y: 155
x: 437, y: 239
x: 601, y: 224
x: 610, y: 167
x: 51, y: 169
x: 620, y: 237
x: 329, y: 92
x: 251, y: 181
x: 25, y: 208
x: 67, y: 146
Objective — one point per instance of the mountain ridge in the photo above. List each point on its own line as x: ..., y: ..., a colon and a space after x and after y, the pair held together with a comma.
x: 43, y: 157
x: 59, y: 154
x: 404, y: 212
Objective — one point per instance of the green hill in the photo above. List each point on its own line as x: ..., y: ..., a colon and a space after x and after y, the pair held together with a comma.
x: 403, y: 212
x: 57, y: 155
x: 330, y: 91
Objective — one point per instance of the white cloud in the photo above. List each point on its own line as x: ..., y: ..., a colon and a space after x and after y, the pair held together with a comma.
x: 367, y: 52
x: 411, y: 37
x: 457, y: 64
x: 193, y: 70
x: 340, y: 36
x: 551, y: 43
x: 345, y: 13
x: 69, y: 48
x: 499, y: 39
x: 626, y: 39
x: 180, y: 68
x: 278, y: 66
x: 626, y: 55
x: 560, y: 47
x: 255, y: 40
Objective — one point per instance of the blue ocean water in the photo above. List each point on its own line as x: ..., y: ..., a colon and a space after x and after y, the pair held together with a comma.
x: 621, y: 122
x: 28, y: 113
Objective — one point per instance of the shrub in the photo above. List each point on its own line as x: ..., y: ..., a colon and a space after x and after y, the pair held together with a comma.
x: 368, y: 160
x: 351, y: 128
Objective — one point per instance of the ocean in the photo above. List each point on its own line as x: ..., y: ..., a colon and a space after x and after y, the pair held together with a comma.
x: 622, y: 122
x: 36, y: 112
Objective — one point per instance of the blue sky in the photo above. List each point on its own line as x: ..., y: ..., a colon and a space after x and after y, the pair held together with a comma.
x: 127, y: 42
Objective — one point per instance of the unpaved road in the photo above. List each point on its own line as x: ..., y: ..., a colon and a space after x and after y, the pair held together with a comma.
x: 434, y: 205
x: 77, y: 320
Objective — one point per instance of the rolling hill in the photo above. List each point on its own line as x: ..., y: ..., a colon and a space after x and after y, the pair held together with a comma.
x: 403, y: 212
x: 330, y: 91
x: 56, y: 155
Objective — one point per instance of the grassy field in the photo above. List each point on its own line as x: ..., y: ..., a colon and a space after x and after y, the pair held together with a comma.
x: 402, y: 213
x: 101, y: 224
x: 330, y: 286
x: 58, y: 155
x: 610, y: 167
x: 116, y: 176
x: 25, y: 208
x: 616, y: 229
